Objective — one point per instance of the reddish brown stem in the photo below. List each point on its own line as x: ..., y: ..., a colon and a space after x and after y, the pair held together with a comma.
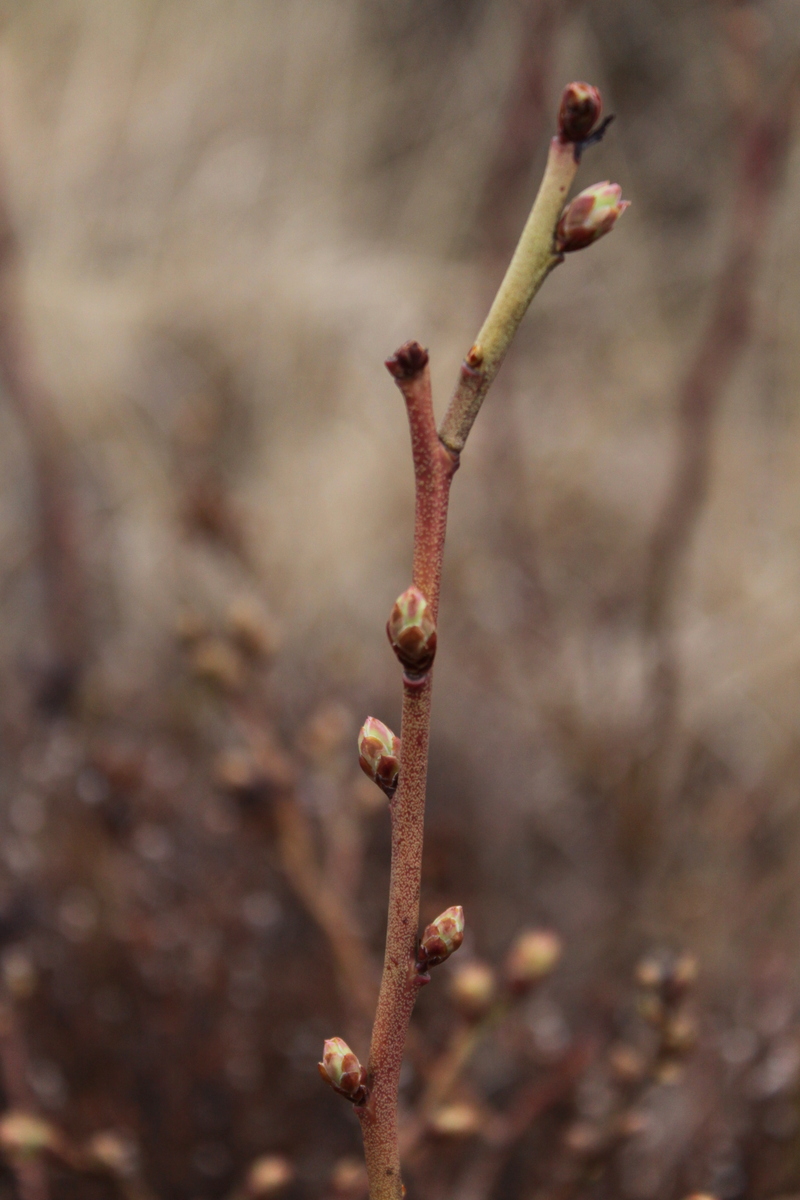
x: 434, y: 467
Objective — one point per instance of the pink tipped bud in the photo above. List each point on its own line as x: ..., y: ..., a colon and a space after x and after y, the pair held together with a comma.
x: 581, y: 106
x: 592, y: 213
x: 442, y: 937
x: 379, y: 754
x: 342, y: 1070
x: 533, y: 955
x: 473, y: 989
x: 411, y: 631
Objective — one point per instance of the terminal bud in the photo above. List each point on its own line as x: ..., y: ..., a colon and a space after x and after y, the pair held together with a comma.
x: 580, y: 110
x: 594, y: 212
x: 412, y: 633
x: 442, y: 937
x: 379, y: 754
x: 342, y: 1070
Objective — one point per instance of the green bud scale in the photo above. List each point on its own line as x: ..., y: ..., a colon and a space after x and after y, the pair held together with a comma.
x: 412, y: 633
x: 593, y: 213
x: 442, y: 937
x: 342, y: 1070
x: 379, y: 754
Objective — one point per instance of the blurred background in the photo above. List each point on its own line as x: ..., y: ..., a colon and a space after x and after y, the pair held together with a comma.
x: 217, y: 218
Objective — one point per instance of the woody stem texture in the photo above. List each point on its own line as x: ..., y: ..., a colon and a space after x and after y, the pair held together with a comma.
x: 434, y: 466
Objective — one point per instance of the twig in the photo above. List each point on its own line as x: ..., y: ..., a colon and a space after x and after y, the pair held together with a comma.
x: 29, y: 1170
x: 505, y: 1131
x: 434, y: 466
x: 533, y: 260
x: 436, y: 458
x: 311, y: 883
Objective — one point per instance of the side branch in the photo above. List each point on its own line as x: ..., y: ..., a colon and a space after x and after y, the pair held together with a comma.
x: 534, y: 258
x: 434, y: 467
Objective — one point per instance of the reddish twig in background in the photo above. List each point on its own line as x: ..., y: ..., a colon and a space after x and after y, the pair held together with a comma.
x: 763, y: 140
x: 29, y: 1170
x: 505, y: 1130
x: 550, y: 232
x: 65, y: 593
x: 523, y: 124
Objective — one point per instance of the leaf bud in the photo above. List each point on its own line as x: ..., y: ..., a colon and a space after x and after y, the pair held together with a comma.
x: 412, y: 633
x: 349, y: 1180
x: 627, y: 1064
x: 379, y: 754
x: 592, y: 213
x: 533, y: 955
x: 581, y: 106
x: 650, y: 972
x: 25, y: 1134
x: 473, y: 987
x: 267, y: 1176
x: 342, y: 1070
x: 442, y: 937
x: 680, y: 1035
x: 115, y: 1153
x: 456, y: 1120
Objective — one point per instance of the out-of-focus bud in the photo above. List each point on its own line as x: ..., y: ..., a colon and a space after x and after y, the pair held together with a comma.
x: 349, y: 1180
x: 631, y: 1123
x: 680, y: 1035
x: 580, y: 110
x: 115, y: 1153
x: 325, y: 733
x: 442, y: 937
x: 26, y: 1135
x: 651, y: 1008
x: 473, y: 989
x: 592, y: 213
x: 667, y: 975
x: 218, y: 663
x: 627, y: 1064
x: 533, y: 955
x: 585, y: 1140
x: 18, y: 972
x: 267, y: 1176
x: 681, y: 977
x: 342, y: 1070
x: 649, y: 972
x: 455, y: 1121
x: 379, y: 754
x: 412, y: 633
x: 251, y: 629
